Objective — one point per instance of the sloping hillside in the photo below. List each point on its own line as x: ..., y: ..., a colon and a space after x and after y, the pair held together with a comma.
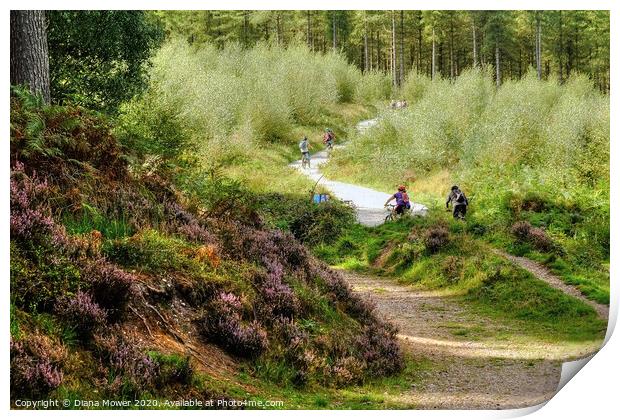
x: 122, y: 287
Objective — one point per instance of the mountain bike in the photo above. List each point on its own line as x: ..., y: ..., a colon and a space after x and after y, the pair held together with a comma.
x: 305, y: 160
x: 392, y: 213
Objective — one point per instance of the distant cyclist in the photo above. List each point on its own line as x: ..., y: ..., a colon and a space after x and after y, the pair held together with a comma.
x: 402, y: 200
x: 328, y: 138
x: 305, y: 152
x: 459, y: 202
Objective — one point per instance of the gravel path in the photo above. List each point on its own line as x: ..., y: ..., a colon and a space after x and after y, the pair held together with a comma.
x: 367, y: 202
x: 477, y: 363
x: 541, y: 272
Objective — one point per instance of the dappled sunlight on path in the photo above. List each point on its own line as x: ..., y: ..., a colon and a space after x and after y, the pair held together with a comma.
x: 477, y: 362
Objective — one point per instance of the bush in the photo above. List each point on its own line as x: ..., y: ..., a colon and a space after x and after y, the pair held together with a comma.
x: 148, y: 126
x: 111, y: 287
x: 130, y: 372
x: 436, y: 238
x: 379, y: 348
x: 521, y: 230
x: 172, y: 368
x: 39, y: 277
x: 541, y: 241
x: 30, y: 214
x: 322, y: 223
x: 277, y: 298
x: 525, y: 232
x: 82, y: 314
x: 36, y: 366
x: 346, y: 371
x: 223, y: 325
x: 452, y: 268
x: 373, y: 86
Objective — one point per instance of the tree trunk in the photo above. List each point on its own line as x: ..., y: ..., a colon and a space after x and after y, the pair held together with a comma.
x: 538, y: 48
x: 473, y: 30
x: 561, y: 48
x: 419, y: 41
x: 378, y: 51
x: 498, y: 74
x: 334, y: 30
x: 365, y: 44
x: 452, y: 74
x: 308, y: 36
x: 393, y: 57
x: 401, y: 79
x: 29, y: 54
x: 433, y: 57
x: 246, y: 24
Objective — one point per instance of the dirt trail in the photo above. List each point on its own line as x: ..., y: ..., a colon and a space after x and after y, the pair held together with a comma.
x: 541, y: 272
x: 476, y: 362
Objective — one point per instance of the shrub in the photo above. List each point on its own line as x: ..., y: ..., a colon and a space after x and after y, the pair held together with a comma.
x: 30, y: 215
x: 540, y: 240
x: 110, y: 286
x: 129, y: 370
x: 223, y: 325
x: 278, y: 299
x: 39, y: 277
x: 337, y: 287
x: 373, y: 86
x: 149, y: 126
x: 436, y: 238
x: 172, y: 368
x: 452, y: 267
x: 322, y: 223
x: 81, y: 313
x: 525, y: 232
x: 521, y: 230
x: 196, y: 233
x: 36, y: 366
x: 346, y: 370
x: 379, y: 348
x: 40, y: 135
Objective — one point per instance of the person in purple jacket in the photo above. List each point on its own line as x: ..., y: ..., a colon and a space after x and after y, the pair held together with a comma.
x: 402, y: 200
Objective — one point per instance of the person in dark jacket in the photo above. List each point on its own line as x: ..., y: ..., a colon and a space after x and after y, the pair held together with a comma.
x: 459, y: 202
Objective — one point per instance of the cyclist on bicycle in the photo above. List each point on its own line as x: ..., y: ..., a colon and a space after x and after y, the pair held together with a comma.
x: 402, y: 200
x: 328, y: 138
x: 305, y: 152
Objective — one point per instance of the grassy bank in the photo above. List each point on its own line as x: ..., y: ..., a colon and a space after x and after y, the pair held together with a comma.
x: 439, y: 254
x: 529, y: 152
x: 124, y: 287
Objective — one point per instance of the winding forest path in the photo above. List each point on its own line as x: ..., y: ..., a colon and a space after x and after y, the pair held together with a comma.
x: 368, y: 203
x: 542, y: 273
x: 476, y: 362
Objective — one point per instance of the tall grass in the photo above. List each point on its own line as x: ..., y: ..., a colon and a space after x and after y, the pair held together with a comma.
x: 233, y: 99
